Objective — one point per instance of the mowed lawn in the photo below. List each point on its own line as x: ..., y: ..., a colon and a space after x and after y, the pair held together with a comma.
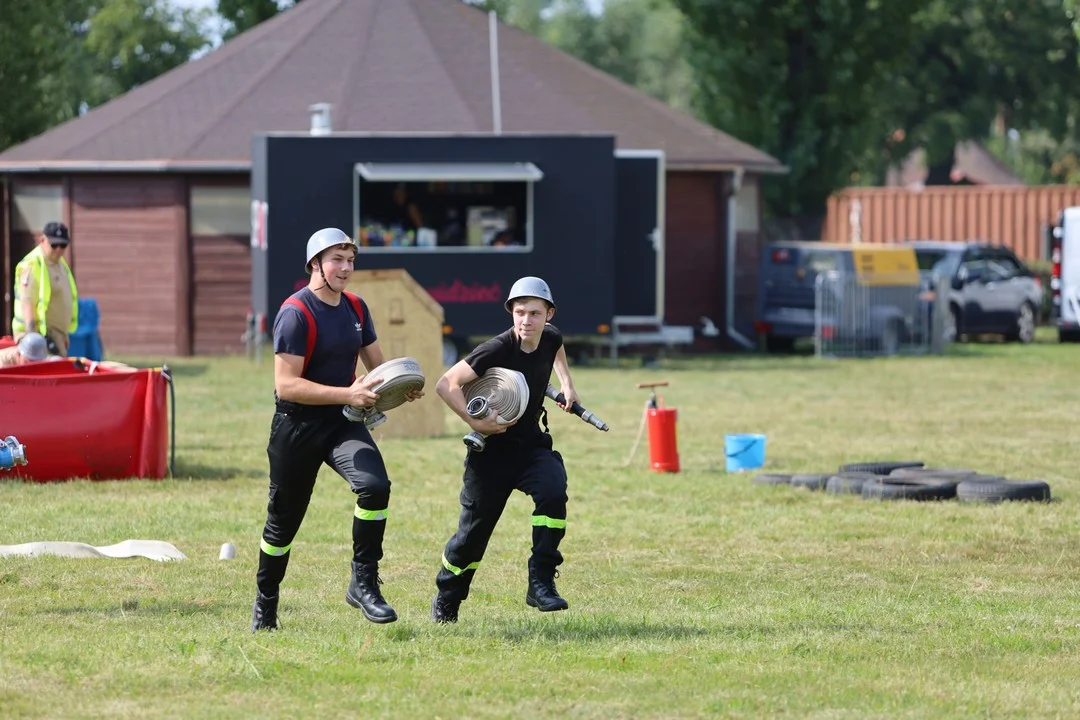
x: 695, y: 594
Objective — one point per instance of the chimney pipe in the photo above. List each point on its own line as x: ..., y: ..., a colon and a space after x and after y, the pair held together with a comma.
x: 320, y: 118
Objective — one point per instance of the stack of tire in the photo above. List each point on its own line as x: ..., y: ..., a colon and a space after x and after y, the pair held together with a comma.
x: 913, y: 481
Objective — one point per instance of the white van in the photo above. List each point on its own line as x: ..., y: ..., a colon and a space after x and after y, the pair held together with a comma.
x: 1065, y: 280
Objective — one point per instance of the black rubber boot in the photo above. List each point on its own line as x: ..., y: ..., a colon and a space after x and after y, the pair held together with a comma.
x: 542, y: 593
x: 363, y: 593
x: 264, y: 615
x: 443, y: 610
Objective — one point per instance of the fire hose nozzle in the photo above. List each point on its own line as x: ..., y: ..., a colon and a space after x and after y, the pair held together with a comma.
x: 12, y: 453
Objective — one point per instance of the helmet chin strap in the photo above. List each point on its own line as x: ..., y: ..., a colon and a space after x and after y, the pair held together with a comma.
x: 326, y: 283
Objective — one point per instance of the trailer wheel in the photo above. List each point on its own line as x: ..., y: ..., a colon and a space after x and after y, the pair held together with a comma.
x: 1068, y: 336
x: 890, y: 338
x: 774, y: 344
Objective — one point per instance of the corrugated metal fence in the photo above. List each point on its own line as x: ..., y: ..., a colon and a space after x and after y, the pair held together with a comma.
x: 1011, y: 216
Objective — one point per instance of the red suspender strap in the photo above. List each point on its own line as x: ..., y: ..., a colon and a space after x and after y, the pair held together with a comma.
x: 312, y: 331
x: 355, y: 301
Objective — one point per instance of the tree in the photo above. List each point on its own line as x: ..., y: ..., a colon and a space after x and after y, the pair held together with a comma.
x: 61, y: 57
x: 804, y: 80
x: 130, y: 42
x: 978, y: 62
x: 641, y: 42
x: 33, y: 42
x: 241, y: 15
x: 527, y: 15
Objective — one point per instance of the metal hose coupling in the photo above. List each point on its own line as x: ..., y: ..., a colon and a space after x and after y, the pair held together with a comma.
x: 504, y: 391
x: 12, y: 453
x: 398, y: 377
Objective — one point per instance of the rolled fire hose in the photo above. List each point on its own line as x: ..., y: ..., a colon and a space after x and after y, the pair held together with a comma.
x: 504, y: 391
x: 398, y: 377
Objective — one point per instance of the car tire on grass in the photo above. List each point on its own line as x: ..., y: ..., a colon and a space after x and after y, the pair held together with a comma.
x: 849, y: 483
x: 993, y: 491
x: 908, y: 488
x: 1025, y: 325
x: 956, y: 474
x: 809, y: 481
x: 880, y: 467
x: 771, y: 479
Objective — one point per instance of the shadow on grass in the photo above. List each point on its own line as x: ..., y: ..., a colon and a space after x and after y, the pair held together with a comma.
x: 197, y: 471
x: 588, y: 629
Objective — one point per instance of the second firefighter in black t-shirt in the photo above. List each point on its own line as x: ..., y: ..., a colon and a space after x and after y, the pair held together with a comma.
x: 518, y: 456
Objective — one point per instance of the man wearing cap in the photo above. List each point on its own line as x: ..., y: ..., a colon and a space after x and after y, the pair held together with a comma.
x: 31, y: 348
x: 46, y: 300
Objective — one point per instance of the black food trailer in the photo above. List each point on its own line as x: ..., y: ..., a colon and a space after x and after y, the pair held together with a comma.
x: 466, y: 215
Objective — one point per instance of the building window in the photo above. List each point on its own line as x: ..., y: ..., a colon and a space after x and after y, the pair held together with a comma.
x: 444, y: 207
x: 33, y: 206
x: 217, y: 210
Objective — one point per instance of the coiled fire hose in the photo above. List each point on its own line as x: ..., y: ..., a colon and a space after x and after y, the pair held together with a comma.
x: 399, y: 377
x: 504, y: 391
x: 12, y: 453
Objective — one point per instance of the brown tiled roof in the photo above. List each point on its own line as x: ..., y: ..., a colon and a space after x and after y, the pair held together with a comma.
x: 401, y: 66
x: 971, y: 162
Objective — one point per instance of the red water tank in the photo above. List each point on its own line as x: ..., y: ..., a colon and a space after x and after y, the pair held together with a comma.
x: 663, y: 448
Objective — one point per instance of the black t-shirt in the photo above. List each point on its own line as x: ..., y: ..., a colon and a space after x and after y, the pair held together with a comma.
x: 339, y: 337
x: 504, y: 350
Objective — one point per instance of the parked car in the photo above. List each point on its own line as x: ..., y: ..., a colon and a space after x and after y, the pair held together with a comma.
x: 991, y: 291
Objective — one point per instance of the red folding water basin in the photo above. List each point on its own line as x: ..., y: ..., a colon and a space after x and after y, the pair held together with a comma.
x: 81, y: 420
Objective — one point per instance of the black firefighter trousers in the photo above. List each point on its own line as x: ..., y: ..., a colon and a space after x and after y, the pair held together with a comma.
x: 302, y: 438
x: 489, y: 479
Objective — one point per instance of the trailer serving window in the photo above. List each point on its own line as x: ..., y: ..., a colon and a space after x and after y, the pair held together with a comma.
x: 444, y: 207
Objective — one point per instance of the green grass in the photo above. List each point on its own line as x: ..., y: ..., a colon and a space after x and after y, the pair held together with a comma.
x: 694, y: 594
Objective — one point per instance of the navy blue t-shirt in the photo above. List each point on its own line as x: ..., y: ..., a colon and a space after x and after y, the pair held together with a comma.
x: 339, y: 338
x: 504, y: 350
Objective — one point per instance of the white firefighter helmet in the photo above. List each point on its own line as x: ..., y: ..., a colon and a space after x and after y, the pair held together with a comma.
x: 323, y: 240
x: 530, y: 287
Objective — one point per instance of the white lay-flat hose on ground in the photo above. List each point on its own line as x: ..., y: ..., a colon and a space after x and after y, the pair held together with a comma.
x: 504, y: 391
x: 150, y: 549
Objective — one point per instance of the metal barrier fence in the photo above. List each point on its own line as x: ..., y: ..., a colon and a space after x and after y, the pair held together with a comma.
x: 859, y: 317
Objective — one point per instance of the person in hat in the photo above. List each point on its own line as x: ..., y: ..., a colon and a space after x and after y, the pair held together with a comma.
x: 319, y: 334
x: 30, y: 348
x: 46, y: 299
x: 517, y: 456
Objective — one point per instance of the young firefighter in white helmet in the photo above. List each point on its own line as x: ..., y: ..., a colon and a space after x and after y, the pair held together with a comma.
x: 518, y: 456
x: 319, y: 333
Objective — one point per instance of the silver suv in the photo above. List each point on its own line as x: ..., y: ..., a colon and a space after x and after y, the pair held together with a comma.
x: 991, y: 291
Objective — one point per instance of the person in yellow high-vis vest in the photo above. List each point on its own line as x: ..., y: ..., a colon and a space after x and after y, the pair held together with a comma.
x: 46, y: 300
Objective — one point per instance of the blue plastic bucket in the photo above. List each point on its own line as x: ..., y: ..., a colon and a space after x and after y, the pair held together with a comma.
x: 744, y: 452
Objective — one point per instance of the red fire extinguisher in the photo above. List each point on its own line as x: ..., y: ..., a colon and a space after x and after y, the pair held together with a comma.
x: 663, y: 446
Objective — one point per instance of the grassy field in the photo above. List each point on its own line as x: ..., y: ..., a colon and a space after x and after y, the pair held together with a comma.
x: 694, y: 594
